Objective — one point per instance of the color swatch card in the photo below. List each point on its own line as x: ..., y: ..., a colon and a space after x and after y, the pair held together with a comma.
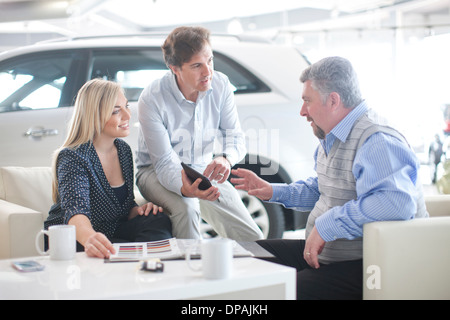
x: 168, y: 249
x: 135, y: 251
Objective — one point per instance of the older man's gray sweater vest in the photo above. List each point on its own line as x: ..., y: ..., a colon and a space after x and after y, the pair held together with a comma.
x: 337, y: 185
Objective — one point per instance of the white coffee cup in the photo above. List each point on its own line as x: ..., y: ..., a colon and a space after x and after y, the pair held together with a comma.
x: 61, y: 242
x: 216, y: 258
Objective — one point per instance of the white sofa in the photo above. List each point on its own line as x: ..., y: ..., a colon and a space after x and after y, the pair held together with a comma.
x: 25, y: 199
x: 402, y: 259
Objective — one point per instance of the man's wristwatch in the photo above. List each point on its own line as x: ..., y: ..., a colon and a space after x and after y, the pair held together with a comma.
x: 223, y: 155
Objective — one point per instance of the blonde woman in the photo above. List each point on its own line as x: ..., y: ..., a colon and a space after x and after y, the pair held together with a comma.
x: 93, y: 176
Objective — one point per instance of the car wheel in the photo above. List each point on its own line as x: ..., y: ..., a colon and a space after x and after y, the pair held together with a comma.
x: 268, y: 216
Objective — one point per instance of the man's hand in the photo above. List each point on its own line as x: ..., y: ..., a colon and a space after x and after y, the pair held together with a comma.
x: 191, y: 190
x: 219, y: 170
x: 254, y: 185
x: 313, y: 247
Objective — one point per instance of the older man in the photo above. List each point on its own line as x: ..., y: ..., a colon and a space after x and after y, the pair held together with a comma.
x: 365, y: 172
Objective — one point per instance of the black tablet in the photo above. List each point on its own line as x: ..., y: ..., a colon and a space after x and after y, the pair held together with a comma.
x: 194, y: 175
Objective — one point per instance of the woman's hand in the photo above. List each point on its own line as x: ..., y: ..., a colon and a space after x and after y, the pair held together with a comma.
x: 98, y: 246
x: 95, y: 244
x: 145, y: 209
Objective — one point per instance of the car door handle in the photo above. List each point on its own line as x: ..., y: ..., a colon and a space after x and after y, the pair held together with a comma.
x: 40, y: 132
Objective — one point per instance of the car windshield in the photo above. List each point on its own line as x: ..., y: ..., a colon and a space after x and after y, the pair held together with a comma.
x: 34, y: 83
x: 51, y: 79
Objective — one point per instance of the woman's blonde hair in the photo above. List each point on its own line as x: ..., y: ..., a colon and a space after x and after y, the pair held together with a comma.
x: 94, y: 106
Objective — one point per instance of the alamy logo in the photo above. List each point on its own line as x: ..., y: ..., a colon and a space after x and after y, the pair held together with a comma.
x: 373, y: 281
x: 73, y: 277
x: 262, y: 146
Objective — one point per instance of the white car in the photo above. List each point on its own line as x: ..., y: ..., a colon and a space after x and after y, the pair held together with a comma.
x: 39, y: 83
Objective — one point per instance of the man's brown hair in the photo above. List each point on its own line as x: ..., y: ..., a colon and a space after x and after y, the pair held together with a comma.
x: 182, y: 43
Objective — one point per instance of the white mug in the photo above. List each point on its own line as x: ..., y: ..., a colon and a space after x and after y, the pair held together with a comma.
x: 61, y: 242
x: 216, y: 258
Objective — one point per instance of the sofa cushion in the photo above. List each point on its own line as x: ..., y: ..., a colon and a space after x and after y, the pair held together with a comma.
x: 438, y: 205
x: 18, y: 229
x: 29, y: 187
x: 407, y: 259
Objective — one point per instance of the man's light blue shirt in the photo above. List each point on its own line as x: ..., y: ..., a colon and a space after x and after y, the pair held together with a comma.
x: 174, y: 129
x: 385, y: 170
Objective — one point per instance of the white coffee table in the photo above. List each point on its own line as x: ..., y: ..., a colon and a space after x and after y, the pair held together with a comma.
x: 91, y: 278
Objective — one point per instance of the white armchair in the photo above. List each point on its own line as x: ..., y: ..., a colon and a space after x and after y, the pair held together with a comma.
x: 409, y: 259
x: 25, y: 200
